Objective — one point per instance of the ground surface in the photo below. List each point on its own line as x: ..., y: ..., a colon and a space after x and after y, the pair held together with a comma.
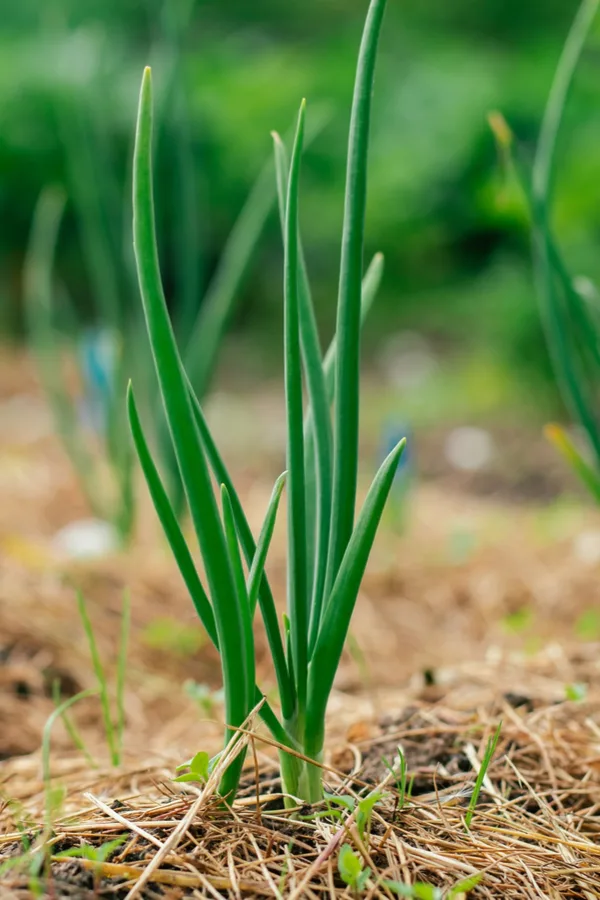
x: 486, y: 606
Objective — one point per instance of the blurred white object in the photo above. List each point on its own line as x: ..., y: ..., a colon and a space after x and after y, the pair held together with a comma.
x: 586, y: 288
x: 86, y: 539
x: 25, y: 418
x: 586, y: 547
x: 469, y: 449
x: 407, y: 360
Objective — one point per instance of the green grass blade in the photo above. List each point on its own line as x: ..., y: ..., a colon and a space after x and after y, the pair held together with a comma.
x: 264, y: 541
x: 170, y: 523
x: 336, y: 621
x: 71, y: 728
x: 109, y: 728
x: 346, y: 410
x: 297, y: 578
x: 485, y: 764
x: 318, y: 477
x: 265, y: 596
x: 58, y: 713
x: 237, y: 570
x: 122, y: 670
x: 38, y: 308
x: 186, y: 442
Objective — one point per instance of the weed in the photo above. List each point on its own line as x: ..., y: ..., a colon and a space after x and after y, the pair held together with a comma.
x: 487, y: 758
x: 351, y: 869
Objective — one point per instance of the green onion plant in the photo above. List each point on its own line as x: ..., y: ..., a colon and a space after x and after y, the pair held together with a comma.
x: 328, y: 545
x: 116, y: 349
x: 569, y: 310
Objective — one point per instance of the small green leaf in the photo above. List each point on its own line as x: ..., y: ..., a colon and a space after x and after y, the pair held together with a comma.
x: 587, y: 626
x: 350, y: 867
x: 464, y: 886
x: 518, y: 621
x: 199, y: 767
x: 576, y: 692
x: 88, y: 851
x: 346, y: 801
x: 178, y: 638
x: 365, y: 809
x: 200, y: 763
x: 418, y: 891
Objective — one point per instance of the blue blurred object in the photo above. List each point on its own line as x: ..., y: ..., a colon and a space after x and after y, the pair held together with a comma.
x: 393, y: 431
x: 98, y: 359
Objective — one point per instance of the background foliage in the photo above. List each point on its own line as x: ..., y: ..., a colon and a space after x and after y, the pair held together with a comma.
x: 454, y: 234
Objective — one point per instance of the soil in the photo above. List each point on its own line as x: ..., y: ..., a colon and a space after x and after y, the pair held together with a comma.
x: 484, y: 606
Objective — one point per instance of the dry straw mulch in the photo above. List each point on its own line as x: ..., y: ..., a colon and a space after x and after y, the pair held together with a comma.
x: 535, y: 832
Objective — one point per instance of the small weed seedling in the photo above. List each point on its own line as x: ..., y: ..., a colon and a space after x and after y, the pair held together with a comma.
x: 490, y: 749
x: 96, y: 855
x: 576, y: 692
x: 404, y: 786
x: 352, y: 870
x: 199, y: 769
x: 113, y: 728
x: 328, y: 544
x: 206, y: 698
x: 423, y: 891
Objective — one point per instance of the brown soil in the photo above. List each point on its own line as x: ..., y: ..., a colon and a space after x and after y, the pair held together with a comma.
x: 485, y: 609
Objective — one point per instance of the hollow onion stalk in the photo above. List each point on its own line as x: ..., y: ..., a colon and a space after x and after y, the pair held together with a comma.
x: 324, y: 576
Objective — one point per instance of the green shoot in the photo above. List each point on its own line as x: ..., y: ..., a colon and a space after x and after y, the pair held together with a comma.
x: 96, y: 855
x: 53, y: 797
x: 490, y: 749
x: 399, y: 771
x: 122, y: 669
x: 420, y: 890
x: 464, y: 886
x: 70, y: 726
x: 366, y: 805
x: 114, y: 733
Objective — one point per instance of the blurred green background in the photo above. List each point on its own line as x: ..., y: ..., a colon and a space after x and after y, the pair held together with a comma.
x: 454, y: 233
